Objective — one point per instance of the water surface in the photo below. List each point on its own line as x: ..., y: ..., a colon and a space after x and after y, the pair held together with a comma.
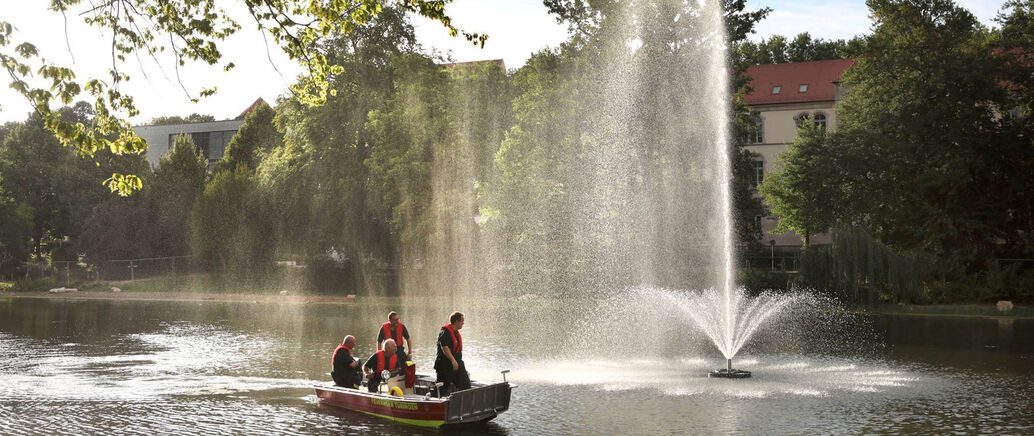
x: 103, y: 367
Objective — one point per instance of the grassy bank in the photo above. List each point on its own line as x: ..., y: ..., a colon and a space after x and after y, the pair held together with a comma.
x: 967, y: 310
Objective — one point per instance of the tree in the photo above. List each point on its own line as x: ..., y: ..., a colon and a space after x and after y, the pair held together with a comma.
x: 1013, y: 45
x: 408, y: 135
x: 194, y: 30
x: 803, y: 48
x: 804, y: 195
x: 256, y: 137
x: 916, y: 123
x: 119, y: 228
x: 178, y: 182
x: 1017, y: 20
x: 230, y: 227
x: 927, y: 155
x: 322, y: 188
x: 15, y: 232
x: 49, y: 179
x: 176, y: 119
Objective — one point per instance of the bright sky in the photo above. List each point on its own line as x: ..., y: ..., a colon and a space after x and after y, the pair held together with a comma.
x: 516, y: 29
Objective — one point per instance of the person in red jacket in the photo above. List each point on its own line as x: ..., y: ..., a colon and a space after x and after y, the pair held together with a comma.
x: 386, y: 359
x: 394, y: 329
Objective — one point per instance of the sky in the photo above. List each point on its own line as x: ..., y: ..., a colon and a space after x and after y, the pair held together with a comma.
x: 516, y: 29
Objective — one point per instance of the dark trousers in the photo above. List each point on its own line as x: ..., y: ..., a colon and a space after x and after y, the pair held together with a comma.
x: 453, y: 380
x: 373, y: 382
x: 348, y: 379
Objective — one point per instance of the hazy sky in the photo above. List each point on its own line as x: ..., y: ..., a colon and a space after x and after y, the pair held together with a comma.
x: 517, y: 28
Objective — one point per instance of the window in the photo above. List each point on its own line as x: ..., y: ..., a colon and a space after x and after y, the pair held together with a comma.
x: 820, y: 119
x: 800, y: 118
x: 803, y: 88
x: 202, y: 140
x: 776, y: 89
x: 757, y: 131
x: 759, y: 172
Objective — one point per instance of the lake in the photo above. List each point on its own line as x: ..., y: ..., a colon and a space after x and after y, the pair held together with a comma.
x: 158, y: 367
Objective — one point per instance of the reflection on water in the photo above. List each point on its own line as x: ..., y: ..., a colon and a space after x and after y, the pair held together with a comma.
x: 189, y: 368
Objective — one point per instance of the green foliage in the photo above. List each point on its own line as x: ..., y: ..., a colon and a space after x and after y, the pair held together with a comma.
x: 15, y: 230
x: 756, y: 280
x: 178, y: 182
x: 51, y: 181
x: 256, y: 137
x: 921, y: 141
x: 805, y: 194
x: 175, y: 119
x: 194, y: 30
x: 860, y: 269
x: 408, y: 135
x: 322, y: 192
x: 802, y: 48
x: 230, y: 227
x: 119, y: 228
x: 1017, y: 21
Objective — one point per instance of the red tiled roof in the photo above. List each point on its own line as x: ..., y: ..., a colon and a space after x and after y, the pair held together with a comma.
x: 818, y: 75
x: 255, y: 105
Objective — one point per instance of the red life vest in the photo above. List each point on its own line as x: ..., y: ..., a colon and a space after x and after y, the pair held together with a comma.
x: 334, y: 356
x: 457, y: 340
x: 386, y: 328
x: 393, y: 362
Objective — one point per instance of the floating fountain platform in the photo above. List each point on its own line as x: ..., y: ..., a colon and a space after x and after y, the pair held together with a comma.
x: 729, y: 372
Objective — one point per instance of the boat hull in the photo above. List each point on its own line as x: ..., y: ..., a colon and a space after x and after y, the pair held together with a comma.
x: 413, y: 411
x: 479, y: 404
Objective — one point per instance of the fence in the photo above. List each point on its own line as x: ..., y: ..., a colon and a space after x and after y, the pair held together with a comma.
x: 68, y: 271
x: 772, y: 263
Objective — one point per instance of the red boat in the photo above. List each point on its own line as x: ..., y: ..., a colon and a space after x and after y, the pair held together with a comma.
x: 420, y: 404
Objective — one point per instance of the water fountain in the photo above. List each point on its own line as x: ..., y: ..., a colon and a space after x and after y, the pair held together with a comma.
x: 630, y: 186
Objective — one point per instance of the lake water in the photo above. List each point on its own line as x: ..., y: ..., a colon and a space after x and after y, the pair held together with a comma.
x: 150, y: 367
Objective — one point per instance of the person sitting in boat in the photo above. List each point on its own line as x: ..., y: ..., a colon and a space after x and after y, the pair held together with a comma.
x: 385, y: 359
x: 395, y: 330
x: 346, y: 369
x: 448, y: 363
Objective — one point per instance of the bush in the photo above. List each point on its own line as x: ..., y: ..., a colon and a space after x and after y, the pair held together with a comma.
x: 329, y: 275
x: 755, y: 281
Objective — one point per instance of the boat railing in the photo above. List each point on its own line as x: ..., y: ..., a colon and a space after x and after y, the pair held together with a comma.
x: 477, y: 404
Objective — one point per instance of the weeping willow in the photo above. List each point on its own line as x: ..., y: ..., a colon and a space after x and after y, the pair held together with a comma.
x: 862, y: 270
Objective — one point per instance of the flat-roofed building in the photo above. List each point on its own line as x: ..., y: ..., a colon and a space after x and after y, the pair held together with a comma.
x: 211, y: 137
x: 784, y: 95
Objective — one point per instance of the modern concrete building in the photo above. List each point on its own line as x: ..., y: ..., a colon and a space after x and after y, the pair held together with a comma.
x: 784, y: 95
x: 211, y: 137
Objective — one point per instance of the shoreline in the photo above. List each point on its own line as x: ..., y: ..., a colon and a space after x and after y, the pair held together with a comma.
x: 173, y: 296
x: 961, y: 310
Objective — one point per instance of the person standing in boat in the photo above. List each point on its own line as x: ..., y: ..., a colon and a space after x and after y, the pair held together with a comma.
x: 448, y: 363
x: 387, y: 359
x: 395, y: 330
x: 346, y: 369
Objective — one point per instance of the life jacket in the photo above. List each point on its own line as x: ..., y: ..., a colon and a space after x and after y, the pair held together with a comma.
x: 392, y: 362
x: 386, y: 328
x: 334, y: 356
x: 457, y: 340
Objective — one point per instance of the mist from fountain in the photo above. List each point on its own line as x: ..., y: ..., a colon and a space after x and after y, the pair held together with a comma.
x: 627, y: 187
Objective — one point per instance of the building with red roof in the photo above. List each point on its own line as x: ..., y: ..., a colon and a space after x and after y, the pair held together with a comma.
x: 783, y: 95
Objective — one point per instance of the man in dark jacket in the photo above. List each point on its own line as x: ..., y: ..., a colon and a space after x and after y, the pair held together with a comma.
x: 448, y: 363
x: 346, y: 369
